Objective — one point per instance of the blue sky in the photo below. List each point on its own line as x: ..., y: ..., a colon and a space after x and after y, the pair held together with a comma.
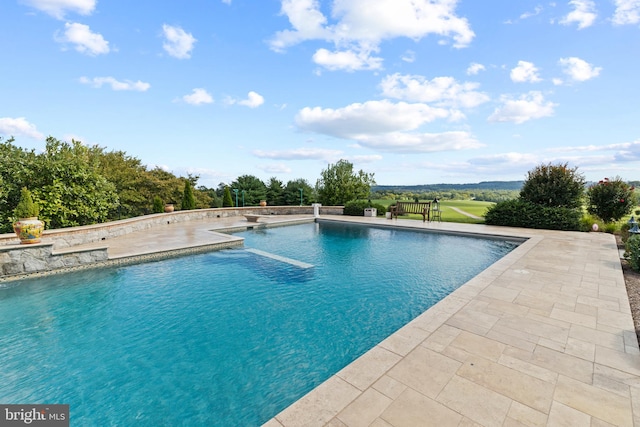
x: 414, y: 91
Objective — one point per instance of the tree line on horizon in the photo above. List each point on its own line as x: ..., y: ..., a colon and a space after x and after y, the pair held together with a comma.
x: 75, y: 184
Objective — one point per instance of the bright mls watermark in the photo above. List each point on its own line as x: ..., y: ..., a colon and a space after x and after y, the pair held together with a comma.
x: 34, y: 415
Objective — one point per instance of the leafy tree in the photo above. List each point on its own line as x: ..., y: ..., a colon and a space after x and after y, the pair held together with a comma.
x: 206, y: 198
x: 339, y: 184
x: 611, y: 199
x: 17, y: 167
x: 275, y: 192
x: 188, y: 199
x: 131, y: 180
x: 291, y: 193
x: 554, y: 186
x: 227, y: 201
x: 165, y: 184
x: 70, y: 187
x: 254, y: 189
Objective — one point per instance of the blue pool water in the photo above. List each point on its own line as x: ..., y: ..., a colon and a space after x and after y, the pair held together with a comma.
x: 223, y: 338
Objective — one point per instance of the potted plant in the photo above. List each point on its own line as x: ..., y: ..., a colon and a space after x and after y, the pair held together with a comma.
x: 28, y: 228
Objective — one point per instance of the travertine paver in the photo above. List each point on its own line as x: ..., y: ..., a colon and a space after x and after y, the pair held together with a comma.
x: 544, y: 337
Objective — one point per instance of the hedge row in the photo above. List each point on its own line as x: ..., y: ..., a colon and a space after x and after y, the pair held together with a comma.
x: 521, y: 213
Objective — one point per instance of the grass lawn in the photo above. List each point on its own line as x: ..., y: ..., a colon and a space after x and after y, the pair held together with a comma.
x: 449, y: 214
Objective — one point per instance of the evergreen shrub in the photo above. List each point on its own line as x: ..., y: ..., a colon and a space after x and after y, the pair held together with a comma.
x: 521, y: 213
x: 158, y: 205
x: 26, y: 207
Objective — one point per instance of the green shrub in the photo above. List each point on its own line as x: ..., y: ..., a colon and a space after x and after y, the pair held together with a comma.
x: 610, y: 199
x: 26, y: 207
x: 624, y: 232
x: 554, y: 186
x: 587, y: 221
x: 158, y: 205
x: 356, y: 207
x: 633, y: 251
x: 610, y: 227
x: 381, y: 209
x: 188, y: 198
x: 521, y: 213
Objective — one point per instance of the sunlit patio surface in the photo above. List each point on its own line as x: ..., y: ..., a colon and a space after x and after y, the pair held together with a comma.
x: 544, y: 336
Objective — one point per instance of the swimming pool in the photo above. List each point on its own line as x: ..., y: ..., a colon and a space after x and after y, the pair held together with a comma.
x: 224, y: 338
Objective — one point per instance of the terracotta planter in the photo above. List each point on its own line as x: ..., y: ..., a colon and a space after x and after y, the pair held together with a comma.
x: 263, y: 203
x: 168, y: 207
x: 29, y: 230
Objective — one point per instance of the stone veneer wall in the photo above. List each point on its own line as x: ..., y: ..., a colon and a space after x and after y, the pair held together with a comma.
x: 39, y: 257
x: 16, y: 259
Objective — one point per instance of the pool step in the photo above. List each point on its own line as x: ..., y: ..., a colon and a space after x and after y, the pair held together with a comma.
x: 294, y: 262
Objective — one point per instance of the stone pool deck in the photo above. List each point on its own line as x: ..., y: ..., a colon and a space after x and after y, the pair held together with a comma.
x: 544, y: 336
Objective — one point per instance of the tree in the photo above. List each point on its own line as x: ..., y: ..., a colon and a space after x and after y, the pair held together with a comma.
x: 611, y: 199
x: 254, y: 189
x: 275, y: 192
x: 188, y: 199
x: 292, y: 193
x: 554, y: 186
x: 339, y: 184
x: 127, y: 174
x: 227, y: 201
x: 69, y: 186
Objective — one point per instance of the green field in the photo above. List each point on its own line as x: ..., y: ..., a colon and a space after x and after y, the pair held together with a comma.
x: 450, y: 214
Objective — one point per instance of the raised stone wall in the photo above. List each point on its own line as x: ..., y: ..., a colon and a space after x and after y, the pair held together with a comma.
x: 35, y: 258
x: 17, y: 259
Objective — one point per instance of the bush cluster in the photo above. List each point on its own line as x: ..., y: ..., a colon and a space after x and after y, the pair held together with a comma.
x: 633, y: 251
x: 550, y: 198
x: 357, y: 207
x: 610, y: 199
x: 522, y: 213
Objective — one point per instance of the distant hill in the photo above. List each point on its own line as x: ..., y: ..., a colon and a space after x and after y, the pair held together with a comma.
x: 485, y: 185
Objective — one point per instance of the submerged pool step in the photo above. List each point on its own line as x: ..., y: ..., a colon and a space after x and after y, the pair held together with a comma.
x: 294, y: 262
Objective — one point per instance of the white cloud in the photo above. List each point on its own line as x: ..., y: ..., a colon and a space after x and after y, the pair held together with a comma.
x: 627, y: 12
x: 409, y: 56
x: 98, y: 82
x: 512, y: 159
x: 536, y: 11
x: 58, y: 8
x: 178, y: 43
x: 361, y: 25
x: 199, y: 96
x: 19, y: 126
x: 346, y: 60
x: 84, y: 40
x: 299, y: 154
x: 400, y: 142
x: 226, y: 1
x: 371, y: 117
x: 475, y: 68
x: 442, y: 91
x: 369, y: 158
x: 578, y: 69
x: 528, y: 107
x: 253, y: 100
x: 275, y: 168
x: 525, y: 72
x: 584, y: 14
